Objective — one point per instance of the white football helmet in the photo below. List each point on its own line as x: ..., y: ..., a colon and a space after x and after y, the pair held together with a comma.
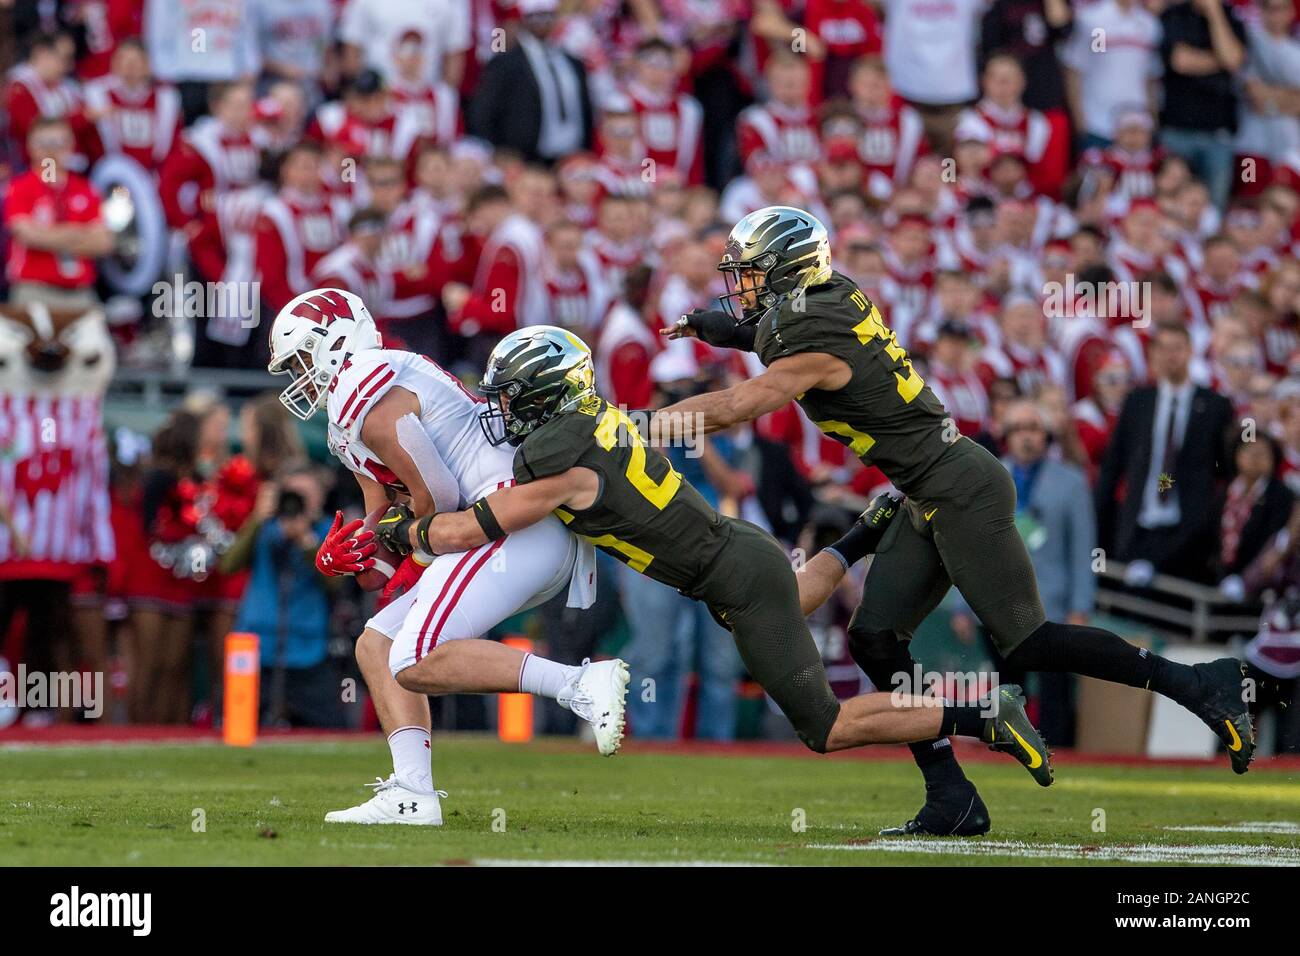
x: 311, y: 338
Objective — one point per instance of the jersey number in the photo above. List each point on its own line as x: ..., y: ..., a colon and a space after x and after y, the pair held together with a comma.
x: 658, y: 493
x: 872, y: 328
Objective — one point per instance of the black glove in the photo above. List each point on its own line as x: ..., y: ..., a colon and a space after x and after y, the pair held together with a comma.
x: 865, y: 535
x: 719, y: 329
x: 880, y: 514
x: 393, y: 530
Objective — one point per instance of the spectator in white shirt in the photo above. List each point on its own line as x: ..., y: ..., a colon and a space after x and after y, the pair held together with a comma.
x: 1112, y: 54
x: 371, y: 29
x: 1270, y: 115
x: 930, y: 52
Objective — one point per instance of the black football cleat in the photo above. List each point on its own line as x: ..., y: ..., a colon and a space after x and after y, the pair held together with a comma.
x: 1012, y: 733
x: 1222, y: 705
x: 953, y: 810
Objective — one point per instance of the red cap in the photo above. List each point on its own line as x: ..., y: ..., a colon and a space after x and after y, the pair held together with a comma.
x: 841, y: 151
x: 913, y: 219
x: 268, y: 110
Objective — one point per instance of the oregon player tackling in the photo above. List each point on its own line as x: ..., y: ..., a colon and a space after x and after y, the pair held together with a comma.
x: 582, y: 459
x: 824, y: 345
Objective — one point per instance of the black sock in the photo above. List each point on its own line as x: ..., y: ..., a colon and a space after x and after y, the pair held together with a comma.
x: 964, y: 720
x: 937, y: 763
x: 1093, y: 652
x: 882, y: 657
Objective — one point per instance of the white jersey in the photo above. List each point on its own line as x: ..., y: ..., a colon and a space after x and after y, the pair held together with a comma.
x: 448, y: 413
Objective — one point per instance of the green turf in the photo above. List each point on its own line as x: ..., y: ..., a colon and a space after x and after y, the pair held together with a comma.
x: 117, y: 805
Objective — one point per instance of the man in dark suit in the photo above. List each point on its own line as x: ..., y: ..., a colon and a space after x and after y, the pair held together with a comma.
x: 1159, y: 479
x: 533, y: 98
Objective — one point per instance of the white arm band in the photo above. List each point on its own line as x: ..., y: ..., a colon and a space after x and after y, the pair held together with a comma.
x: 437, y: 476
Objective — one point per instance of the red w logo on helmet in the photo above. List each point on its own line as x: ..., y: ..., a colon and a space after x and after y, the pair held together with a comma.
x: 324, y: 308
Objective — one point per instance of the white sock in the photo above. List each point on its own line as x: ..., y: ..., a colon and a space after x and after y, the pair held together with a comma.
x: 544, y: 678
x: 412, y: 758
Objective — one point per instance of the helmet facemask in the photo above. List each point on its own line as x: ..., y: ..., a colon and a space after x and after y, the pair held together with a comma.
x: 499, y: 425
x: 308, y: 389
x: 748, y: 292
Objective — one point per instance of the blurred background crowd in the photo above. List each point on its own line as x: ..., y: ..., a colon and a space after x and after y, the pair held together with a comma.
x: 1079, y: 218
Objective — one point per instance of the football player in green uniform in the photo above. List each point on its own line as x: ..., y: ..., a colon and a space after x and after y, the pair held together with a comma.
x: 824, y: 345
x: 584, y: 460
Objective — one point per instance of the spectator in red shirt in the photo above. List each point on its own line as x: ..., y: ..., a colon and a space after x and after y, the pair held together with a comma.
x: 41, y: 87
x: 847, y: 29
x: 53, y: 216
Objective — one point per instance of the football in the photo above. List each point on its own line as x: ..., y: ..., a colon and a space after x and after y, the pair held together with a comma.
x: 386, y: 559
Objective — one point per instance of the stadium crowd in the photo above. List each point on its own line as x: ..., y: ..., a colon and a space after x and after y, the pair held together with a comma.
x: 1081, y: 220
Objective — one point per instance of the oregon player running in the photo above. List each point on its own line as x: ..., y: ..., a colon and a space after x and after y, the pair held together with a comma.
x: 824, y: 345
x: 584, y: 460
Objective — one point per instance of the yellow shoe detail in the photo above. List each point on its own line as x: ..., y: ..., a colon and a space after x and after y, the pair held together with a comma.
x: 1036, y: 759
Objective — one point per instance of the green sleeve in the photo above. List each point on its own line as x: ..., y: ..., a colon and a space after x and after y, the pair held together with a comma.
x: 240, y: 553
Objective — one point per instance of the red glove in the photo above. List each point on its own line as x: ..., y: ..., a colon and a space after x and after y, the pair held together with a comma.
x: 344, y: 551
x: 403, y: 579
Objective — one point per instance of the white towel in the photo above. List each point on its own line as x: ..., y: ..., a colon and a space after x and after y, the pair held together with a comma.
x: 582, y: 586
x: 442, y: 484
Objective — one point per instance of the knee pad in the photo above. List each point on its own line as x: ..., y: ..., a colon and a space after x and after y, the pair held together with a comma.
x: 881, y: 655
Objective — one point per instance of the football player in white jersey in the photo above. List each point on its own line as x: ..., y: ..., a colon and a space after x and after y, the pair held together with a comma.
x: 410, y: 432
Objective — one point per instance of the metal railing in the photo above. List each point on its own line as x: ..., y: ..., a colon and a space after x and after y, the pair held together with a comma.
x: 1175, y: 608
x: 159, y: 389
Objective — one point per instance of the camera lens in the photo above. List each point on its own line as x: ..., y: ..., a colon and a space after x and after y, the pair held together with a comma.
x: 290, y: 505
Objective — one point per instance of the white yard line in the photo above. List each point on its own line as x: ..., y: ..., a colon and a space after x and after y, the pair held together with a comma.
x: 1216, y: 854
x: 614, y: 863
x: 1282, y: 827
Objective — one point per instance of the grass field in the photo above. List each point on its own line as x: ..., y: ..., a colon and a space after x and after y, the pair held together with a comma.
x: 551, y: 801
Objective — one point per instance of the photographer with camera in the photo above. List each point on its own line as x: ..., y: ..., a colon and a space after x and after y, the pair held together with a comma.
x: 287, y: 604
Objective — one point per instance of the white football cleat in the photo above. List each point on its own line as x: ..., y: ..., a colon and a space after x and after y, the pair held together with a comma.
x: 598, y: 695
x: 393, y: 803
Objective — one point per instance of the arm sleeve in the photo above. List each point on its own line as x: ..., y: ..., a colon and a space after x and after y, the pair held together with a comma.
x: 240, y: 553
x: 442, y: 484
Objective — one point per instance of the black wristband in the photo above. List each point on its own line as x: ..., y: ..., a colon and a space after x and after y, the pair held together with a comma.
x: 487, y: 520
x: 422, y: 533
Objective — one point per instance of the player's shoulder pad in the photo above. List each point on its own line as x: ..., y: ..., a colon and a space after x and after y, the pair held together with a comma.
x: 558, y: 445
x: 819, y: 320
x: 365, y: 379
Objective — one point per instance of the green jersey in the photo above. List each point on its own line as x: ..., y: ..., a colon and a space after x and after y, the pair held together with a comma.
x: 645, y: 515
x: 886, y: 413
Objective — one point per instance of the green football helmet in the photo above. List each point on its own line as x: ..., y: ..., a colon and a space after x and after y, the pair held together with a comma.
x: 788, y: 246
x: 532, y: 375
